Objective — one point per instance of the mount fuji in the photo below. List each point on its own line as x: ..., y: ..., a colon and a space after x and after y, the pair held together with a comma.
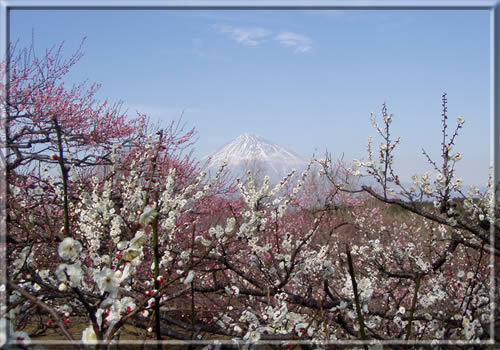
x: 256, y: 154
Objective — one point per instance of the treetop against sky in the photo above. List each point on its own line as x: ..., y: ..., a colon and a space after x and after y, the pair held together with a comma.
x: 305, y: 79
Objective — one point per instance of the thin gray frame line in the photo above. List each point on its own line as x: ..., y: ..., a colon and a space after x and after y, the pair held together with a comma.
x: 254, y: 4
x: 493, y: 5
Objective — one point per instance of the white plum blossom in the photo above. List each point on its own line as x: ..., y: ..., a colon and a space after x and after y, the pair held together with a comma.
x: 252, y: 336
x: 19, y: 262
x: 232, y: 291
x: 457, y: 156
x: 138, y: 241
x: 69, y: 249
x: 230, y: 225
x: 303, y: 329
x: 365, y: 288
x: 107, y: 281
x: 121, y: 245
x: 423, y: 265
x: 70, y: 273
x: 118, y: 308
x: 148, y: 215
x: 189, y: 278
x: 457, y: 184
x: 130, y: 254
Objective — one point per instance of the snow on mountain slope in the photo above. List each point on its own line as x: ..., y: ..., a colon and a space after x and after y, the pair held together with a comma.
x: 255, y: 153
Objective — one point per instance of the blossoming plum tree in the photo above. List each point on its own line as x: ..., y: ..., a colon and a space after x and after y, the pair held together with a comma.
x: 448, y: 243
x: 60, y: 147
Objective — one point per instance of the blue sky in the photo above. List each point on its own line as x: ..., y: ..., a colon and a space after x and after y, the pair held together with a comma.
x: 305, y: 79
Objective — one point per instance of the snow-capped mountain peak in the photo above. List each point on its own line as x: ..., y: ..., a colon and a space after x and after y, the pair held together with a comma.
x: 255, y: 153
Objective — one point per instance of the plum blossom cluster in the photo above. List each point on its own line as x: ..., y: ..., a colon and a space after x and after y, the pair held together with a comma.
x: 109, y: 255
